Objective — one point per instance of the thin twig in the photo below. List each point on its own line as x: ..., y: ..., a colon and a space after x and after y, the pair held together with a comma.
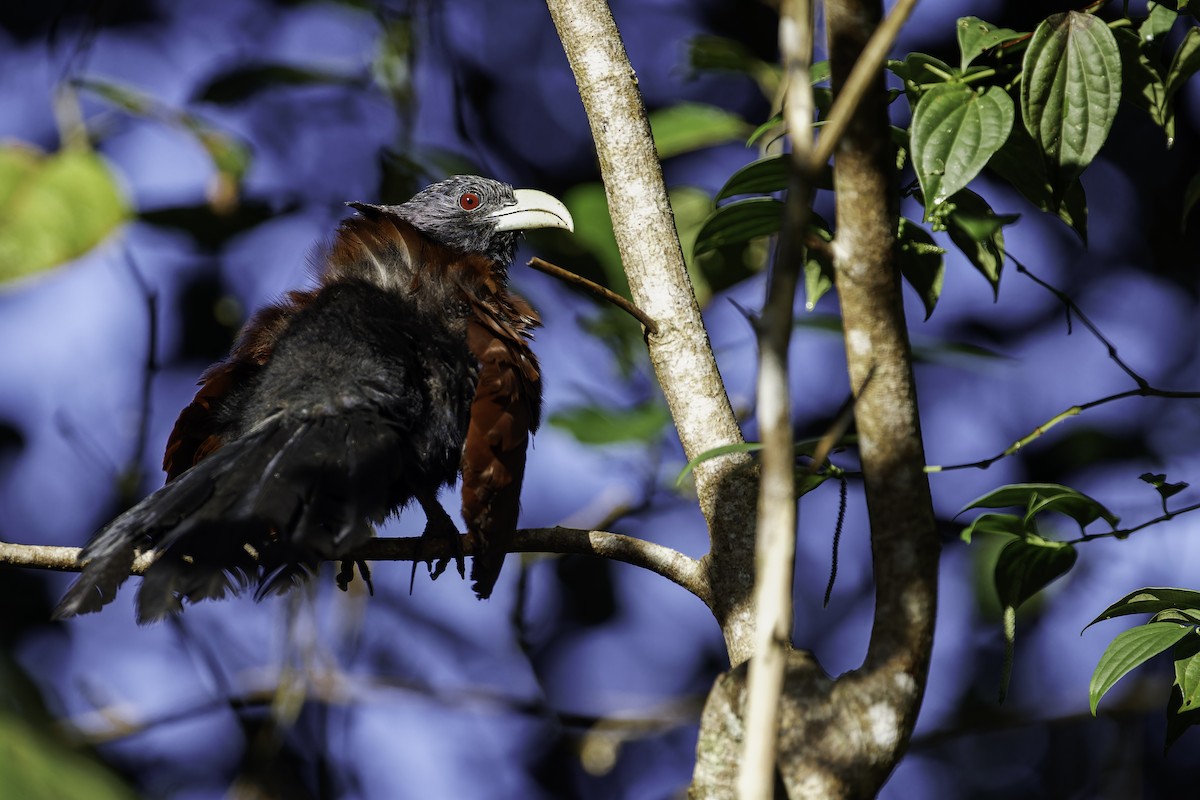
x: 1073, y: 308
x: 1124, y: 533
x: 1062, y: 416
x: 775, y: 550
x: 597, y: 290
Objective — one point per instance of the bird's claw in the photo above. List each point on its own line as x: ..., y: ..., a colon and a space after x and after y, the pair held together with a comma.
x: 346, y: 575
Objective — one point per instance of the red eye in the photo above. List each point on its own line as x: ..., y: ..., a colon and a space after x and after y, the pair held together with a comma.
x: 469, y: 201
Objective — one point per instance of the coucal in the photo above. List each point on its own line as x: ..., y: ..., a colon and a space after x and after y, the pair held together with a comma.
x: 407, y: 364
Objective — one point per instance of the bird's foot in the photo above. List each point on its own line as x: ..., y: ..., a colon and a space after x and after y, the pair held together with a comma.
x: 346, y: 575
x: 438, y: 525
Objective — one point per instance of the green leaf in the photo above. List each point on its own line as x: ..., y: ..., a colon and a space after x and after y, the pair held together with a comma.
x: 1185, y: 63
x: 978, y: 232
x: 1159, y: 482
x: 1187, y: 673
x: 1027, y: 565
x: 1150, y: 600
x: 593, y: 231
x: 719, y: 54
x: 687, y: 127
x: 996, y: 524
x: 818, y: 269
x: 976, y: 36
x: 762, y: 130
x: 603, y: 425
x: 1157, y: 24
x: 716, y: 452
x: 1144, y: 87
x: 1178, y: 721
x: 739, y: 221
x: 54, y: 208
x: 921, y: 263
x: 765, y: 176
x: 921, y: 68
x: 244, y: 82
x: 955, y: 131
x: 39, y: 767
x: 1129, y: 650
x: 1037, y: 498
x: 1020, y: 163
x: 1070, y: 91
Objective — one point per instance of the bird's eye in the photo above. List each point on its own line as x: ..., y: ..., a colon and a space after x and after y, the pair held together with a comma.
x: 469, y: 201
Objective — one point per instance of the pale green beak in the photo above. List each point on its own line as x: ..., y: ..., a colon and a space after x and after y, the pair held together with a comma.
x: 533, y: 209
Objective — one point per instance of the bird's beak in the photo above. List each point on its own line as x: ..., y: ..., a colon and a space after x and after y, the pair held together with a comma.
x: 533, y: 209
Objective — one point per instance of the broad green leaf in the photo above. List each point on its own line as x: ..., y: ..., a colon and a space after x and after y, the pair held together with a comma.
x: 739, y: 221
x: 1036, y: 498
x: 1157, y: 23
x: 765, y: 176
x: 1185, y: 63
x: 996, y: 524
x: 978, y: 232
x: 1020, y: 163
x: 687, y: 127
x: 1129, y: 650
x: 955, y: 131
x: 1070, y: 90
x: 976, y: 36
x: 1150, y: 600
x: 1027, y: 565
x: 54, y: 208
x: 921, y: 263
x: 603, y: 425
x: 1187, y: 673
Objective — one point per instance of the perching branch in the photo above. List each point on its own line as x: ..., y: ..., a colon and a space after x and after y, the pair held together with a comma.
x: 671, y: 564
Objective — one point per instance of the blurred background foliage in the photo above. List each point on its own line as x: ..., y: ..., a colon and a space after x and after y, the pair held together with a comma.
x: 167, y: 167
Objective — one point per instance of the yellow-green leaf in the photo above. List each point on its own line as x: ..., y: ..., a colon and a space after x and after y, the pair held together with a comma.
x: 54, y: 208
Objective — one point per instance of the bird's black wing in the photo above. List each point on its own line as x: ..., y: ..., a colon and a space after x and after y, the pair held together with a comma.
x: 362, y: 406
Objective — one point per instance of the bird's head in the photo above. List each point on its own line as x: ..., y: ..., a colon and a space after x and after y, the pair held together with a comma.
x: 481, y: 215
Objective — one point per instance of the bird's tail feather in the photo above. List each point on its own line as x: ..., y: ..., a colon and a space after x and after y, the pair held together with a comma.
x: 265, y: 509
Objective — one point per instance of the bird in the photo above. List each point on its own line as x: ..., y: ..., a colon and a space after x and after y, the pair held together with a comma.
x: 408, y: 364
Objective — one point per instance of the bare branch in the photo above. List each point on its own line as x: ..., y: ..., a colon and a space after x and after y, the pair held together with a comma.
x: 671, y: 564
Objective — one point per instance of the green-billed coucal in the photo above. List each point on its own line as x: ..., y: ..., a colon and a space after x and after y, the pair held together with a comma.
x: 408, y: 363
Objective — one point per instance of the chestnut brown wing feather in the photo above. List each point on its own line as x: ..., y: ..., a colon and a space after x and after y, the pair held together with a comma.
x: 505, y: 412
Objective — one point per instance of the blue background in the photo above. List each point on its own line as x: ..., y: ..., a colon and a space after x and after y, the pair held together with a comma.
x: 578, y: 678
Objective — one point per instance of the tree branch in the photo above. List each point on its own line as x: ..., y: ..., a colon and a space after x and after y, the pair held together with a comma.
x: 671, y: 564
x: 658, y: 281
